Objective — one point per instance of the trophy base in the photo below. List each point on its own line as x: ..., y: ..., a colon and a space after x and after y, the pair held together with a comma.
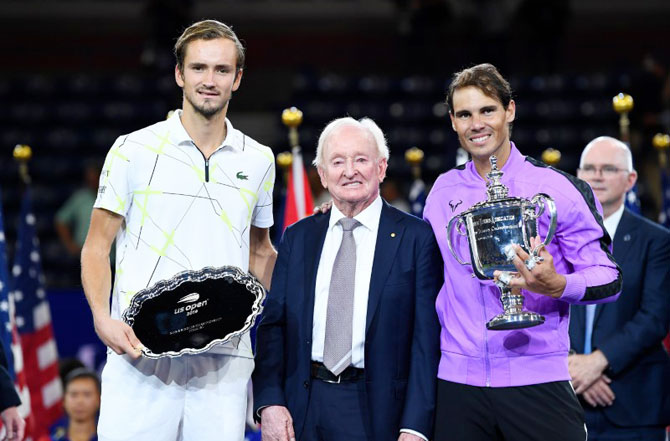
x: 519, y: 320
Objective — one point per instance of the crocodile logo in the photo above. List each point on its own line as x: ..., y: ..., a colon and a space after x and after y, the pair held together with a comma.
x: 241, y: 176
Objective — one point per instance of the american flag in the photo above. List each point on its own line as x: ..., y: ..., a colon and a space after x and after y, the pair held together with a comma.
x: 632, y: 201
x: 33, y: 321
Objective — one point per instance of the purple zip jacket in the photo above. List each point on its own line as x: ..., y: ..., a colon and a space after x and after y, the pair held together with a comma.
x: 581, y: 249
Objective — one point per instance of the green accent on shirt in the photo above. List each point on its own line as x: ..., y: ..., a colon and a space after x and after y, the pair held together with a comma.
x: 164, y: 141
x: 250, y: 205
x: 143, y: 206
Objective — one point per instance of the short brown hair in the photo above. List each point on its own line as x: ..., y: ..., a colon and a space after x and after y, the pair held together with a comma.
x: 207, y: 30
x: 484, y: 77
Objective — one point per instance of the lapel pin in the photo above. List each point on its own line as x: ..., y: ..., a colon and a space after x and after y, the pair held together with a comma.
x: 392, y: 234
x: 626, y: 238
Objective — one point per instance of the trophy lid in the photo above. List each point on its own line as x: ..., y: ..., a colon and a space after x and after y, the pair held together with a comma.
x: 495, y: 189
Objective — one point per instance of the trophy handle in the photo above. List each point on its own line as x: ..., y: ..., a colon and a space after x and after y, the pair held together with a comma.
x: 539, y: 201
x: 458, y: 221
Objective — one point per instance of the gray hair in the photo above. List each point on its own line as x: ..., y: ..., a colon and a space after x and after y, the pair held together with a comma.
x: 363, y: 123
x: 615, y: 142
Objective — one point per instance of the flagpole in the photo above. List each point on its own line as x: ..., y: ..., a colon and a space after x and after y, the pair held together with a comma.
x: 551, y: 156
x: 623, y: 104
x: 298, y: 202
x: 414, y: 157
x: 42, y: 390
x: 417, y: 192
x: 22, y: 154
x: 661, y: 143
x: 292, y: 118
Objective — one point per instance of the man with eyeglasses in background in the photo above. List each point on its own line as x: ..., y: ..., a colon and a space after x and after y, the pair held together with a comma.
x: 618, y: 365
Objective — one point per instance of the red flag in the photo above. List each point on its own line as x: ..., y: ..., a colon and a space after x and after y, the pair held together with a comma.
x: 299, y: 202
x: 20, y: 379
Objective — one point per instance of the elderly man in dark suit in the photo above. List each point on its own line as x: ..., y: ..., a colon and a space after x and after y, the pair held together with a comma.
x: 619, y: 367
x: 348, y: 347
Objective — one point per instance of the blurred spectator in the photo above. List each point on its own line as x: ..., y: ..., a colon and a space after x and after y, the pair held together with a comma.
x: 67, y: 365
x: 391, y: 193
x: 72, y: 219
x: 320, y: 194
x: 81, y: 403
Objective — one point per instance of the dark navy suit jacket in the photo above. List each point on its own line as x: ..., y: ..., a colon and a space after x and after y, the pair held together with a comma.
x: 8, y: 395
x: 630, y: 331
x: 402, y: 347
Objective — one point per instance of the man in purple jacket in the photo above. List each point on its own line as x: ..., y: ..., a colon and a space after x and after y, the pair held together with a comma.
x: 512, y: 385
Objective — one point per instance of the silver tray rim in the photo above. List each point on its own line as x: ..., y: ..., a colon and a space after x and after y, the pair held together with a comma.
x: 224, y: 272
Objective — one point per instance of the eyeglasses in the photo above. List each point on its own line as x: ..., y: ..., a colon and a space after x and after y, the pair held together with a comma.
x: 606, y: 170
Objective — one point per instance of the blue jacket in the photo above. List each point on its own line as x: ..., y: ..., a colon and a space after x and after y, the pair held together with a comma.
x: 630, y: 331
x: 402, y: 331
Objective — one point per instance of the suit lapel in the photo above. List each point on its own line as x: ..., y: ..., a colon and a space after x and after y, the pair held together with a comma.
x: 388, y: 239
x: 314, y: 239
x: 623, y: 238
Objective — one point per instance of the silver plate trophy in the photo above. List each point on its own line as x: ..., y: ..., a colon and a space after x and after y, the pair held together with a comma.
x: 492, y: 227
x: 194, y: 310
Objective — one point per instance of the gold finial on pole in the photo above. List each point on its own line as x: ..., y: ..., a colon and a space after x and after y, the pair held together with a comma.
x: 285, y: 161
x: 623, y: 104
x: 551, y: 156
x: 414, y: 157
x: 22, y: 154
x: 661, y: 142
x: 292, y: 118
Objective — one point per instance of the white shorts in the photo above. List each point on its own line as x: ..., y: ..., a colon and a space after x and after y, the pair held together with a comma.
x: 191, y: 398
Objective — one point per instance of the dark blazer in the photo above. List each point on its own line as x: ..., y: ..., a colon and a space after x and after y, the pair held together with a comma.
x: 630, y: 331
x: 8, y: 395
x: 402, y: 347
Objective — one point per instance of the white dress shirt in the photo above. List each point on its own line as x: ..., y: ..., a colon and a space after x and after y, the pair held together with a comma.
x: 612, y: 222
x: 365, y: 237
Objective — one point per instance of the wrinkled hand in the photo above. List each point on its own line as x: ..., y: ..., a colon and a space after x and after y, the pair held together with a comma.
x: 323, y: 208
x: 600, y: 393
x: 409, y: 437
x: 276, y: 424
x: 543, y: 279
x: 586, y: 369
x: 118, y: 336
x: 14, y: 424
